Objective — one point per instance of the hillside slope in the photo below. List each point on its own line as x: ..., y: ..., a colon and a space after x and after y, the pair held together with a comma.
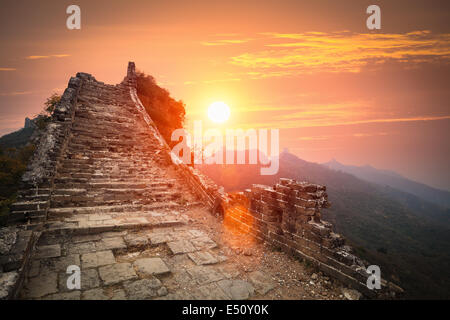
x: 17, y: 138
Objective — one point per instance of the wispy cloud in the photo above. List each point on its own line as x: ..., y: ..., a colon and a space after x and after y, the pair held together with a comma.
x: 36, y: 57
x: 15, y: 93
x: 320, y: 122
x: 342, y: 52
x: 332, y: 137
x: 224, y: 42
x: 7, y: 69
x: 211, y: 81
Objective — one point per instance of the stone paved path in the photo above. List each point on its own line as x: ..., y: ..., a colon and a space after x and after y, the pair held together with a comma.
x: 125, y: 217
x: 199, y: 260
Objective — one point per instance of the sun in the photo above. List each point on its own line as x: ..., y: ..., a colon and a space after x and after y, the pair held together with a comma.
x: 218, y: 112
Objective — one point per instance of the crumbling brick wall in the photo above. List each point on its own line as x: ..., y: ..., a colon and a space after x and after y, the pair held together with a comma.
x: 288, y: 216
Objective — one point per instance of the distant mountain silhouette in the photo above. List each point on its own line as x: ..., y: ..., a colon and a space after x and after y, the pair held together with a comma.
x: 394, y: 180
x: 20, y: 137
x: 409, y: 238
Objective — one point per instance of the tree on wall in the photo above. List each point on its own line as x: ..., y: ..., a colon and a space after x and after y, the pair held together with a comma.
x: 167, y: 113
x: 49, y: 106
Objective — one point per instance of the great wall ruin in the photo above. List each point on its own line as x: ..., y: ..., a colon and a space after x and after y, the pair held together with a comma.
x: 102, y: 192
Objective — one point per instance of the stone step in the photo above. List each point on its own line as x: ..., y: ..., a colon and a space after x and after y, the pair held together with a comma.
x: 29, y: 205
x: 16, y: 216
x: 109, y: 184
x: 107, y: 169
x: 112, y: 200
x: 106, y: 191
x: 113, y: 225
x: 97, y: 178
x: 134, y: 185
x: 71, y: 192
x: 68, y: 211
x: 39, y: 197
x: 30, y: 192
x: 77, y: 145
x: 107, y: 156
x: 106, y: 165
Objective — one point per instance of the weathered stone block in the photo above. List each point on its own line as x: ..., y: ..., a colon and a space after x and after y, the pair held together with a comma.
x: 181, y: 246
x: 236, y: 289
x: 151, y: 266
x: 133, y: 240
x: 61, y: 263
x: 41, y: 286
x: 117, y: 273
x: 144, y: 289
x: 203, y: 257
x: 111, y: 244
x: 97, y: 259
x: 203, y: 275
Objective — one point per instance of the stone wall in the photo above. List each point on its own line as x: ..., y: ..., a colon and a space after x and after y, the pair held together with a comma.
x: 37, y: 181
x: 29, y: 213
x: 288, y: 216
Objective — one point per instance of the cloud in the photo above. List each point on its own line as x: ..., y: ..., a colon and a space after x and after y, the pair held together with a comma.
x: 311, y: 52
x: 15, y: 93
x: 7, y: 69
x: 224, y: 42
x: 211, y: 81
x: 47, y: 57
x: 328, y: 122
x: 332, y: 137
x: 314, y: 138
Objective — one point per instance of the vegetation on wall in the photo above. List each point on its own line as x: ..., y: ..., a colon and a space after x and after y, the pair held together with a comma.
x: 43, y: 118
x: 167, y: 113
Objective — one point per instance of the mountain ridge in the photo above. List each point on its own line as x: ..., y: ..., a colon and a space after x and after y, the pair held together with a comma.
x: 394, y: 180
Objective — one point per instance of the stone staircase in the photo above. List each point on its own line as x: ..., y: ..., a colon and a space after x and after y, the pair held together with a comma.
x: 111, y: 168
x: 111, y: 163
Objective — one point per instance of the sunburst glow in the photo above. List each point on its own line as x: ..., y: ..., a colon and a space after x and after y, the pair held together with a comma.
x: 218, y: 112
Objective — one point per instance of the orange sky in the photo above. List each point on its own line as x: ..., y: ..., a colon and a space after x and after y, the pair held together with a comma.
x: 309, y: 68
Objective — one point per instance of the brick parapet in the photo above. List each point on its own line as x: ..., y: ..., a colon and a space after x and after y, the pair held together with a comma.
x: 288, y: 216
